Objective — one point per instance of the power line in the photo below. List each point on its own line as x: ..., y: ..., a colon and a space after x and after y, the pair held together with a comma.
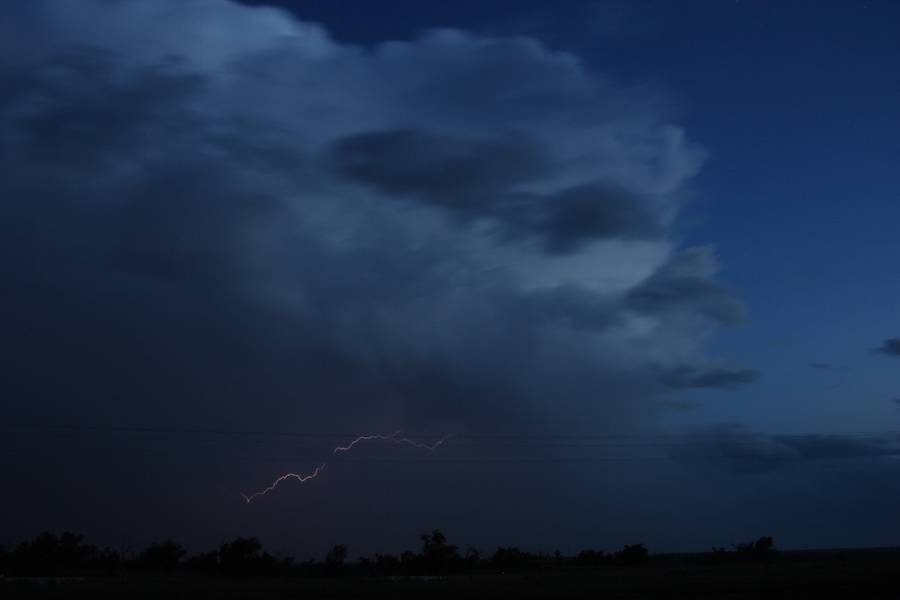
x: 461, y: 436
x: 687, y: 458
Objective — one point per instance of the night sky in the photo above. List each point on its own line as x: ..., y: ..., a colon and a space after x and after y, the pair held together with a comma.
x: 635, y: 263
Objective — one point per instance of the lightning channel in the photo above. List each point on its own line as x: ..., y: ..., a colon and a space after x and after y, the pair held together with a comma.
x: 297, y: 476
x: 394, y: 438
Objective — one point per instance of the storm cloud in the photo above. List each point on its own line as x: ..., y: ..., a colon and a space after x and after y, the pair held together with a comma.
x: 290, y: 177
x: 475, y: 179
x: 219, y: 214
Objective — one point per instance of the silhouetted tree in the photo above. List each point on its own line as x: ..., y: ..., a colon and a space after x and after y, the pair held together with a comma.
x: 161, y: 557
x: 590, y: 557
x: 270, y: 565
x: 336, y: 556
x: 365, y: 566
x: 437, y: 554
x: 472, y: 557
x: 632, y: 555
x: 761, y: 551
x: 48, y: 554
x: 387, y: 564
x: 206, y: 563
x: 510, y: 558
x: 410, y: 562
x: 240, y: 557
x: 73, y: 553
x: 108, y: 561
x: 36, y: 557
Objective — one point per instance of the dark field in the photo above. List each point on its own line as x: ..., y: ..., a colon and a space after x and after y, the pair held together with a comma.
x: 827, y: 576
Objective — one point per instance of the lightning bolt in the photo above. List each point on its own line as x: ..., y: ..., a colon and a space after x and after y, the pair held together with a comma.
x: 365, y: 438
x: 393, y: 438
x: 297, y: 476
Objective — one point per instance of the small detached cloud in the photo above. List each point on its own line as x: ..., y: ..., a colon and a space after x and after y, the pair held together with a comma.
x: 738, y: 449
x: 714, y: 377
x: 827, y: 366
x: 890, y: 347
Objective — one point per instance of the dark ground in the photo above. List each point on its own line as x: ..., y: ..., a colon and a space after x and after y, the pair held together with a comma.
x: 826, y: 576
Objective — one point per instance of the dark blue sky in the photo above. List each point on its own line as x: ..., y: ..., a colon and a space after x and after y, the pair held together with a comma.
x: 637, y: 258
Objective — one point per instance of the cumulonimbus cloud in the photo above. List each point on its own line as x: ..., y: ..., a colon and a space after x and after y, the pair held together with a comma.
x: 455, y: 224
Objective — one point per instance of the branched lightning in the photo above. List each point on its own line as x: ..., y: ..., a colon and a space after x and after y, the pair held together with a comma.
x: 297, y: 476
x: 393, y: 438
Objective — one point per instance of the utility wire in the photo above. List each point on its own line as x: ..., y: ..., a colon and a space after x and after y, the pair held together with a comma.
x: 14, y: 427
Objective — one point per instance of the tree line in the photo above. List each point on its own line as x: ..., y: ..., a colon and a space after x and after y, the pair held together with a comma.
x: 67, y: 554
